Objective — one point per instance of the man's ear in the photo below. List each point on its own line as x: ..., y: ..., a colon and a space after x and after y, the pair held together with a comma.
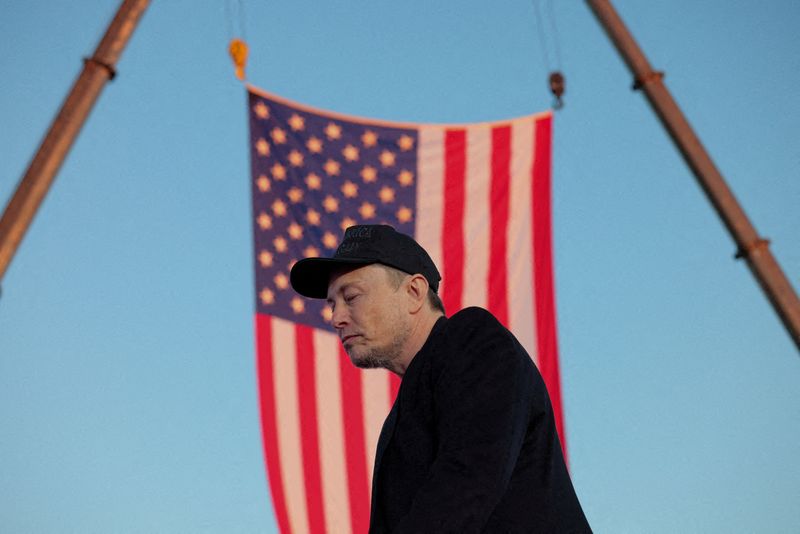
x: 417, y: 291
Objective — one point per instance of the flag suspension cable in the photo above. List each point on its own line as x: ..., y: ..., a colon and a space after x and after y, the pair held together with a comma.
x: 556, y: 79
x: 750, y: 246
x: 237, y: 46
x: 35, y: 183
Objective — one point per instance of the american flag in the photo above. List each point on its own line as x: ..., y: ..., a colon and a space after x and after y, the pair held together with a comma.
x: 475, y: 196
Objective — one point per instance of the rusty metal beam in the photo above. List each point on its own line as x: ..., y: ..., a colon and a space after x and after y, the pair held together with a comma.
x: 750, y: 246
x: 35, y: 183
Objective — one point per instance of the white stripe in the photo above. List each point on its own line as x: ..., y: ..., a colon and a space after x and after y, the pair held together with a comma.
x: 476, y: 216
x: 430, y: 194
x: 288, y: 424
x: 375, y: 400
x: 330, y: 423
x: 522, y: 315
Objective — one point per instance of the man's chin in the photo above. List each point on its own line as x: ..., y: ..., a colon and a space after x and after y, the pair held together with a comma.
x: 365, y: 361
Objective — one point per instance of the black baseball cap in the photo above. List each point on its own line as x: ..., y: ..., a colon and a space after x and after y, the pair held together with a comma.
x: 363, y: 245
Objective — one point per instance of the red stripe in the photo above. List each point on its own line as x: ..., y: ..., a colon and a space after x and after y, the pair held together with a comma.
x: 543, y: 272
x: 497, y: 281
x: 394, y: 386
x: 455, y: 166
x: 307, y: 402
x: 269, y: 427
x: 353, y: 411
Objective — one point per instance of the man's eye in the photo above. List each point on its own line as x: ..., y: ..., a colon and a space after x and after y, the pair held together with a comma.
x: 350, y: 298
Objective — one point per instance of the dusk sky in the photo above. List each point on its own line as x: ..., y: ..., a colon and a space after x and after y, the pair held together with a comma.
x: 128, y: 396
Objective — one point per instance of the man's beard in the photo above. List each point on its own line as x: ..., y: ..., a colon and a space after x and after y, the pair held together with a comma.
x: 381, y: 357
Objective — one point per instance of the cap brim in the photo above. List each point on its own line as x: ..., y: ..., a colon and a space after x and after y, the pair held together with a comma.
x: 310, y: 276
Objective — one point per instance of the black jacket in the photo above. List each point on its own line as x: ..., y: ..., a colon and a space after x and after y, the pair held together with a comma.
x: 470, y: 444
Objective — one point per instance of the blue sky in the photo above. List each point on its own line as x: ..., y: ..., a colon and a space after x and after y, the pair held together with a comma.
x: 127, y: 387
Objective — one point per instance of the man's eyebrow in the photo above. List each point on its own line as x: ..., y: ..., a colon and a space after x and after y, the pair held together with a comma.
x: 340, y: 289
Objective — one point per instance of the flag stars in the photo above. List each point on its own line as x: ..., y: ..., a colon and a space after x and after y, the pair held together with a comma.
x: 333, y: 131
x: 346, y: 223
x: 405, y: 178
x: 350, y: 153
x: 262, y: 111
x: 267, y: 296
x: 281, y: 281
x: 296, y: 158
x: 263, y: 184
x: 369, y: 138
x: 265, y: 258
x: 264, y: 221
x: 369, y: 174
x: 367, y: 211
x: 330, y: 204
x: 278, y: 136
x: 313, y: 181
x: 295, y: 195
x: 278, y: 171
x: 332, y: 167
x: 349, y: 189
x: 386, y: 194
x: 404, y: 215
x: 329, y: 240
x: 314, y: 145
x: 280, y: 244
x: 296, y: 123
x: 347, y: 182
x: 297, y: 305
x: 387, y: 158
x: 406, y: 143
x: 279, y: 208
x: 262, y: 147
x: 295, y: 231
x: 313, y: 217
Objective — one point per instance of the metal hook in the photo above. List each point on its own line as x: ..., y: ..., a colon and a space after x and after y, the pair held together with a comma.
x: 557, y: 85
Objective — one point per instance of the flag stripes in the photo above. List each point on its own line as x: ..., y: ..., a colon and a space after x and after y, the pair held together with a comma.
x: 287, y: 408
x: 356, y: 447
x: 335, y: 488
x: 430, y: 192
x: 475, y: 231
x: 453, y: 199
x: 497, y: 283
x: 309, y: 431
x: 269, y: 424
x: 543, y: 283
x: 482, y: 211
x: 376, y: 395
x: 520, y: 256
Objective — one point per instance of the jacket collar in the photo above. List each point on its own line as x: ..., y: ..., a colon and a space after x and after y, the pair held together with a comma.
x: 391, y: 420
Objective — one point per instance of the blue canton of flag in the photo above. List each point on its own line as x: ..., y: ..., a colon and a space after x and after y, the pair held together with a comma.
x: 314, y: 176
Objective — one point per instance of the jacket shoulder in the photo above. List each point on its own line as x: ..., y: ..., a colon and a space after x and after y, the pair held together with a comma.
x: 475, y: 331
x: 475, y: 323
x: 472, y: 316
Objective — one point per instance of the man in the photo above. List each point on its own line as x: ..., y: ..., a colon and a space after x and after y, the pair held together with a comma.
x: 470, y: 444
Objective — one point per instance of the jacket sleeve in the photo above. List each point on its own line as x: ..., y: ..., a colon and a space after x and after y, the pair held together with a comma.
x: 484, y: 398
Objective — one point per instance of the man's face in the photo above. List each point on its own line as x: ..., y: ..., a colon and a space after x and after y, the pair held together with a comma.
x: 369, y: 315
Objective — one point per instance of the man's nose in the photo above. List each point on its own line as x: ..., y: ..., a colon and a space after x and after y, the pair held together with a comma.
x: 339, y: 317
